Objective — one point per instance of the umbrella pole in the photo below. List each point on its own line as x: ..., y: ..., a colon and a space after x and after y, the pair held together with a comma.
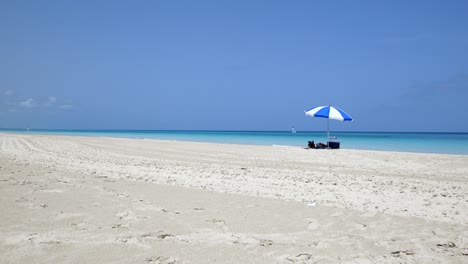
x: 328, y: 131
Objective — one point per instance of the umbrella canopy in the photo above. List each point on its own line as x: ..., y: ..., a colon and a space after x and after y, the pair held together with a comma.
x: 329, y: 112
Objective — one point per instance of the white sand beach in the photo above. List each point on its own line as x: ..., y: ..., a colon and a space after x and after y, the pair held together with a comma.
x: 110, y: 200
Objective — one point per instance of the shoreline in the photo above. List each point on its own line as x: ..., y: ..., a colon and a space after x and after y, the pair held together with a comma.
x: 235, y: 144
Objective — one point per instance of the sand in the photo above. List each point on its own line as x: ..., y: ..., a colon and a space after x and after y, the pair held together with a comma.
x: 109, y: 200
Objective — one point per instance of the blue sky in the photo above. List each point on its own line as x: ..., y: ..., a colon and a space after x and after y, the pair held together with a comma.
x: 234, y: 65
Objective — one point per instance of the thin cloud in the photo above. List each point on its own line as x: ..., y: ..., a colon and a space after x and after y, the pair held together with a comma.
x: 28, y: 103
x: 50, y: 101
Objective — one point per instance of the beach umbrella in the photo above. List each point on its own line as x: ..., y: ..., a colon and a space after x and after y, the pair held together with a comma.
x: 329, y: 112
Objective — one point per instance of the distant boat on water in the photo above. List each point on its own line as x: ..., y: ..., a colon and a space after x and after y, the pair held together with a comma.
x: 293, y: 130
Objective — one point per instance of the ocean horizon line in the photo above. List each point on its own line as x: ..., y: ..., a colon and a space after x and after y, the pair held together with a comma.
x: 222, y: 130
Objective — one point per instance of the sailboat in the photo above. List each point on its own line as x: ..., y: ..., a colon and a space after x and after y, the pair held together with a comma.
x: 293, y: 130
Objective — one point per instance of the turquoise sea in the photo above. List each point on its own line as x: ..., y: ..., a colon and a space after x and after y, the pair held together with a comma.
x: 448, y: 143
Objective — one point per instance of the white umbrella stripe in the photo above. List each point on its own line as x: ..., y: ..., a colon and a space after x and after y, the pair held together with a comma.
x: 334, y: 114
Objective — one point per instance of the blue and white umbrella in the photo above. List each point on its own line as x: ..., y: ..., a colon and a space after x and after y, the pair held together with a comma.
x: 329, y: 112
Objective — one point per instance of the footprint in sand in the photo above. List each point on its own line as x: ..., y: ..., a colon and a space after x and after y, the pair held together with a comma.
x: 402, y: 252
x: 265, y: 242
x: 320, y: 244
x: 32, y: 237
x: 161, y: 260
x: 122, y: 215
x: 24, y: 182
x: 50, y: 242
x: 82, y: 226
x: 313, y: 226
x: 300, y: 258
x: 126, y: 216
x: 118, y: 226
x: 127, y: 239
x: 163, y: 236
x: 361, y: 226
x: 309, y: 258
x: 123, y: 195
x: 156, y: 235
x: 44, y: 239
x: 251, y: 241
x: 149, y: 235
x: 452, y: 248
x: 220, y: 223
